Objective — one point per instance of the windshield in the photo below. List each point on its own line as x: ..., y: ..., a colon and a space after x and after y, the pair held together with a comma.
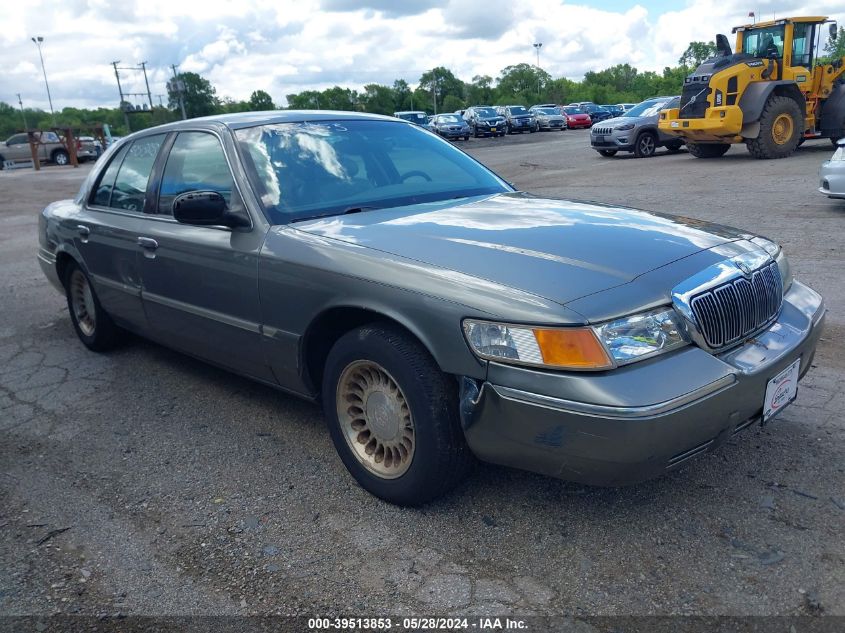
x: 518, y: 110
x: 485, y: 112
x: 593, y: 108
x: 547, y: 110
x: 647, y: 108
x: 306, y: 170
x: 451, y: 118
x: 414, y: 117
x: 572, y: 110
x: 763, y: 43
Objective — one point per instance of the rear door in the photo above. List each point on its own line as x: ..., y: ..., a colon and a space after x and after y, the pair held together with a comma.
x: 108, y: 226
x: 200, y: 283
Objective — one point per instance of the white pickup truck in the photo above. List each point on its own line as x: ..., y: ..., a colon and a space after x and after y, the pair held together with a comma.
x: 50, y: 149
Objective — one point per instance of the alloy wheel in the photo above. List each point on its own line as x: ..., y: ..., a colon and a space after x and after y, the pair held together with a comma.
x: 82, y: 301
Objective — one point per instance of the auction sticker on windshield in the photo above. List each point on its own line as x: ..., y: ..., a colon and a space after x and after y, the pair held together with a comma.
x: 781, y: 390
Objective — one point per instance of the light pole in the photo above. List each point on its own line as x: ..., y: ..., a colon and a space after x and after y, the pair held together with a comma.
x: 38, y: 41
x: 23, y: 114
x: 537, y: 47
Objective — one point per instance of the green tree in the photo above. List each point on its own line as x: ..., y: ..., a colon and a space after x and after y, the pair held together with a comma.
x: 480, y: 91
x: 378, y: 99
x: 696, y: 53
x: 402, y: 96
x: 260, y: 100
x: 452, y: 103
x: 835, y: 47
x: 521, y: 83
x: 441, y: 82
x: 200, y: 96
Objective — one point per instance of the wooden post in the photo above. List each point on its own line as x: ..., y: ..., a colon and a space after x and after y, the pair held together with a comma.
x: 33, y: 148
x: 70, y: 143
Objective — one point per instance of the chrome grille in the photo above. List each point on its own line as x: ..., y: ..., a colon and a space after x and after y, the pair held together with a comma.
x: 602, y: 130
x: 732, y: 311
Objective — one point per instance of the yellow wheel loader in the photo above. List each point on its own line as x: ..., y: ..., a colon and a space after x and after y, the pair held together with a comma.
x: 771, y: 94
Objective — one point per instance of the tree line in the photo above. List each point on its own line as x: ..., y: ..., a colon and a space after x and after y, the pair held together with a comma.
x: 437, y: 89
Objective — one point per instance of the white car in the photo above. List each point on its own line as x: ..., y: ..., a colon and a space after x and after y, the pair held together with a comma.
x: 832, y: 173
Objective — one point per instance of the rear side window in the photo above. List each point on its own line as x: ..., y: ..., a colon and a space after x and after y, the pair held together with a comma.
x: 102, y: 192
x: 130, y: 186
x: 196, y: 163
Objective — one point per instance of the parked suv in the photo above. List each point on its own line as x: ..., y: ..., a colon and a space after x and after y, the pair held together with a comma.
x: 414, y: 116
x: 484, y: 120
x: 518, y: 119
x: 50, y: 149
x: 636, y: 130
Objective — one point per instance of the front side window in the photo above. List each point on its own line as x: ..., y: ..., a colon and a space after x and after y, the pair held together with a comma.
x: 764, y: 43
x: 196, y: 163
x: 315, y: 169
x: 130, y: 186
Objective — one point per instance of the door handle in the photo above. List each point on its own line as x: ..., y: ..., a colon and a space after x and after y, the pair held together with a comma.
x: 148, y: 243
x: 84, y: 232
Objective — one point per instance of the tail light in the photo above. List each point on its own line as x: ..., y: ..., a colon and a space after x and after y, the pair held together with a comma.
x: 78, y: 145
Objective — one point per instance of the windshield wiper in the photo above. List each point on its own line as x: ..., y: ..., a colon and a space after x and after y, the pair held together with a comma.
x: 347, y: 210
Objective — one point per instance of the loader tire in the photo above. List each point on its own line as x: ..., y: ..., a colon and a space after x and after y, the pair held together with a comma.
x: 781, y: 127
x: 708, y: 150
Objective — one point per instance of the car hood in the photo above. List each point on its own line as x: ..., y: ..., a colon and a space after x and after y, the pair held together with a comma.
x: 636, y: 120
x: 557, y: 249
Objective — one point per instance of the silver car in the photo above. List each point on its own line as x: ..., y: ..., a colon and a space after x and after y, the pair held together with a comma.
x: 548, y: 118
x: 635, y: 131
x: 438, y: 314
x: 832, y: 173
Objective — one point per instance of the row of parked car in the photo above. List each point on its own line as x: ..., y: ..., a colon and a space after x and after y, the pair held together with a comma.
x: 512, y: 119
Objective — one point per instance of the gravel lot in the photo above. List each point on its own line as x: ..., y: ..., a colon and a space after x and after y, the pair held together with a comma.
x: 144, y: 482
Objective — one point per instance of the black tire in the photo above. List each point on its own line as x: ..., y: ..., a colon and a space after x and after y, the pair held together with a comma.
x: 97, y: 331
x: 674, y: 146
x: 766, y: 144
x: 608, y: 152
x: 2, y: 160
x: 439, y: 457
x: 475, y: 131
x: 60, y: 157
x: 645, y: 145
x: 708, y: 150
x: 466, y: 138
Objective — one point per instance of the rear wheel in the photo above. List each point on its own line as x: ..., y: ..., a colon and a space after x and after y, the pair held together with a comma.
x: 645, y: 145
x: 60, y: 157
x: 393, y: 416
x: 92, y: 323
x: 607, y: 152
x: 708, y: 150
x: 781, y: 127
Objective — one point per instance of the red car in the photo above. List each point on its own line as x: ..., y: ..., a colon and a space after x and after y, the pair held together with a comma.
x: 575, y: 118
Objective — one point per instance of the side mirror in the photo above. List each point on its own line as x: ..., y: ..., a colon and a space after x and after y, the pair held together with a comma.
x: 832, y: 30
x: 723, y: 47
x: 205, y: 208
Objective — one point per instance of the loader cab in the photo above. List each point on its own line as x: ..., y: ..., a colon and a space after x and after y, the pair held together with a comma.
x: 791, y: 43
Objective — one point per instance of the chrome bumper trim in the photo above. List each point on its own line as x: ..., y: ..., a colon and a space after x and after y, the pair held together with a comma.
x: 605, y: 411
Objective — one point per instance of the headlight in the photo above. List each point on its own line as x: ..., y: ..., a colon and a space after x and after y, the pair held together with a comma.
x: 777, y: 254
x: 642, y: 335
x: 558, y: 348
x: 622, y: 128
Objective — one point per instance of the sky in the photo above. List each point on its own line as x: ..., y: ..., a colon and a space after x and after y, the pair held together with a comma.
x: 287, y: 46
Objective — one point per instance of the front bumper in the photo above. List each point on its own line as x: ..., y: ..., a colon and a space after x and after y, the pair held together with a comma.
x: 453, y: 133
x: 639, y: 421
x: 832, y: 179
x: 618, y: 141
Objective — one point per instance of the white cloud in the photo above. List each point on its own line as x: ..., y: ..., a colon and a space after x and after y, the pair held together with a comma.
x: 286, y: 46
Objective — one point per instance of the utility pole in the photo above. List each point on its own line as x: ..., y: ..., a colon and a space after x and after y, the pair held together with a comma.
x: 160, y: 102
x: 23, y: 114
x: 146, y: 81
x: 538, y: 46
x: 179, y: 88
x: 122, y: 101
x: 38, y: 41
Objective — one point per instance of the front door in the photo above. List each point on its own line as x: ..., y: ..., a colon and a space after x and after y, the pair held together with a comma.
x: 200, y: 283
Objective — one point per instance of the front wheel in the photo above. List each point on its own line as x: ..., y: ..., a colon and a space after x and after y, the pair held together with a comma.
x: 645, y: 145
x: 781, y: 127
x: 92, y: 323
x: 607, y: 152
x: 708, y: 150
x: 393, y: 416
